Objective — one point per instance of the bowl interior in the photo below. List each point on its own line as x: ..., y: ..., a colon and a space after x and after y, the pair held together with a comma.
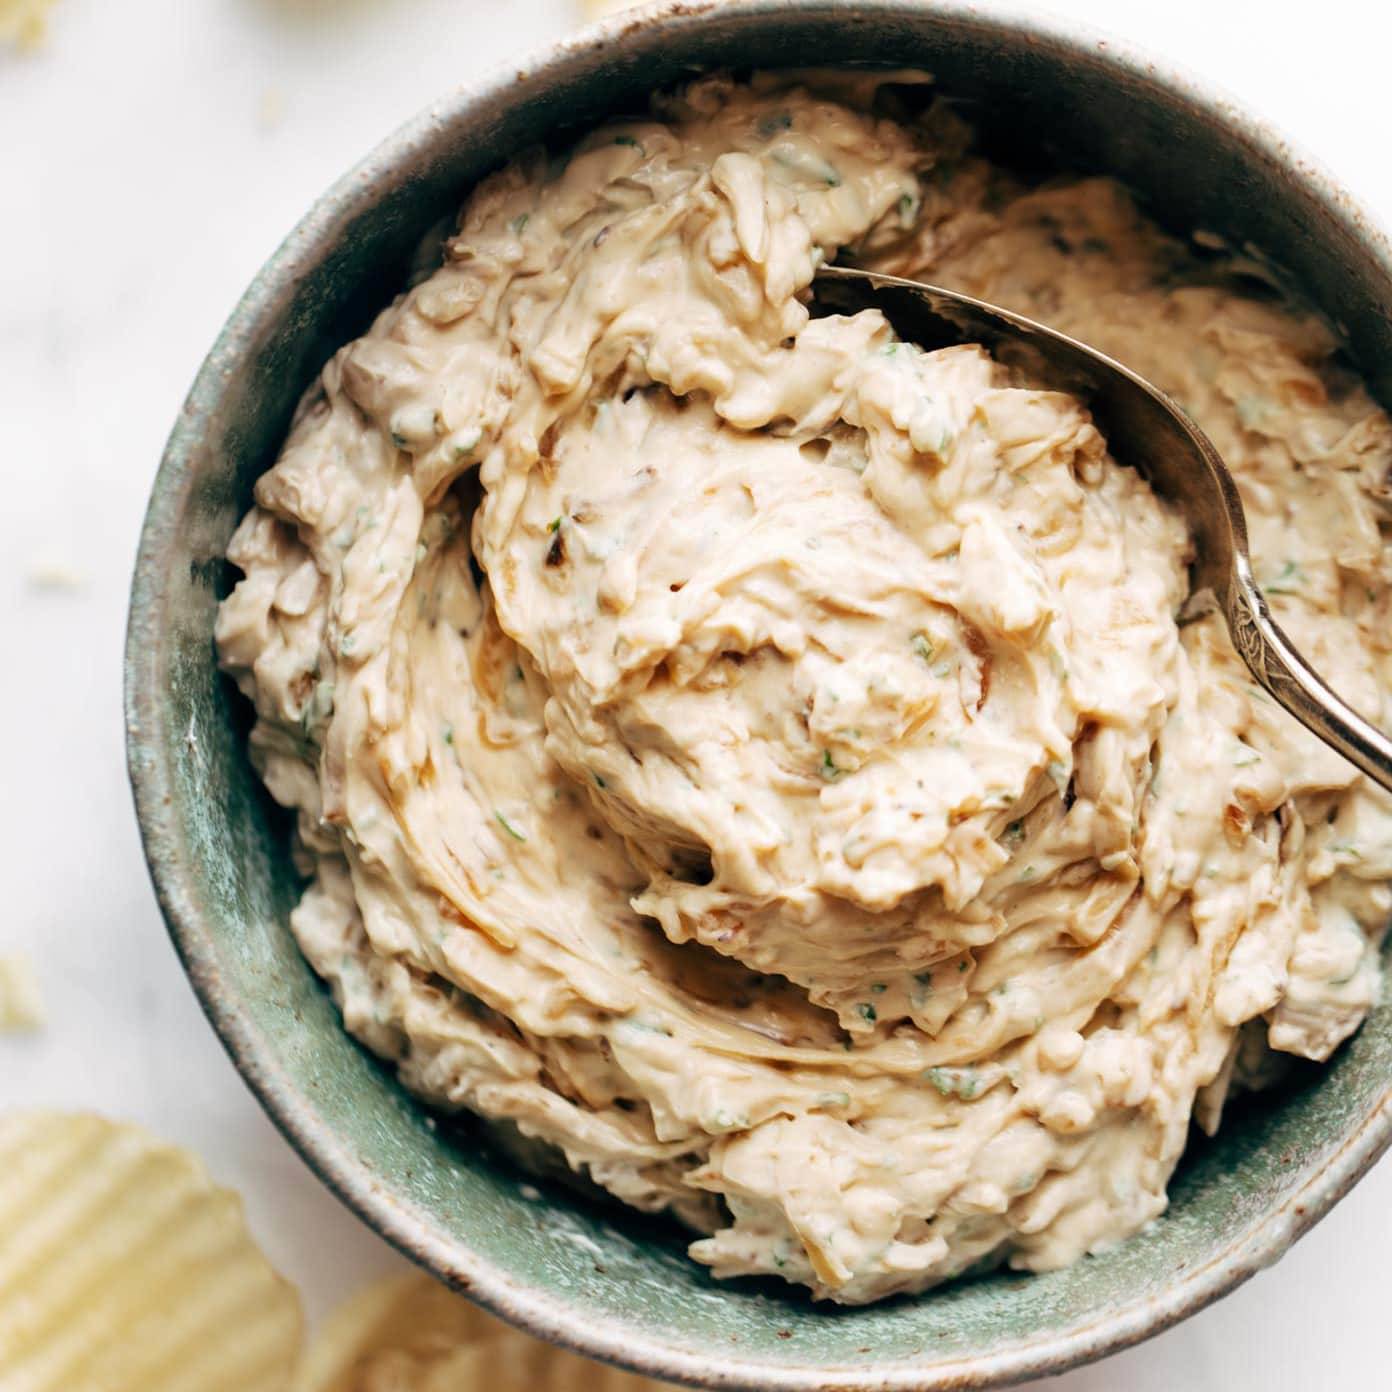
x: 605, y: 1280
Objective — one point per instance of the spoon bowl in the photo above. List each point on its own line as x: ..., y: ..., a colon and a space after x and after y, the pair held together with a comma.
x: 1149, y: 431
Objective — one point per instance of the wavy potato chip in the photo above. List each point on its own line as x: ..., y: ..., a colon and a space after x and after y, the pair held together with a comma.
x: 123, y: 1268
x: 410, y: 1334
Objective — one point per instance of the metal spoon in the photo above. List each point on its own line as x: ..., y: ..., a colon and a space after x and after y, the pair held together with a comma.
x: 1146, y: 429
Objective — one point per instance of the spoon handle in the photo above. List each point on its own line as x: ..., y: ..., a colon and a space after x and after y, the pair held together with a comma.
x: 1277, y: 664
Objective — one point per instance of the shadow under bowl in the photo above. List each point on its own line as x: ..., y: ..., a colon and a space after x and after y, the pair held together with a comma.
x: 605, y: 1282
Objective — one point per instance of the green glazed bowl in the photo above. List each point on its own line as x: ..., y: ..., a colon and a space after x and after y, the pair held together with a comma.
x: 606, y: 1282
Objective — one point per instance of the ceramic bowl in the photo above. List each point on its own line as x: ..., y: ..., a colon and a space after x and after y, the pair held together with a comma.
x: 607, y: 1282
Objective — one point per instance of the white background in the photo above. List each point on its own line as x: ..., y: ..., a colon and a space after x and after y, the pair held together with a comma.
x: 151, y: 157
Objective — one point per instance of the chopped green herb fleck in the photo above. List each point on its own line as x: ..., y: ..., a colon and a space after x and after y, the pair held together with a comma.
x: 630, y: 141
x: 810, y: 166
x: 867, y: 1012
x: 599, y: 782
x: 924, y: 978
x: 508, y: 827
x: 955, y: 1082
x: 770, y: 125
x: 554, y: 525
x: 1345, y: 848
x: 1251, y: 411
x: 1015, y: 833
x: 642, y: 1026
x: 878, y: 988
x: 829, y: 770
x: 448, y: 734
x: 922, y: 646
x: 1288, y: 580
x: 519, y: 223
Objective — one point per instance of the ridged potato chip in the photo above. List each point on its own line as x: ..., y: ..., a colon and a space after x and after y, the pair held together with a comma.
x: 410, y: 1334
x: 123, y: 1268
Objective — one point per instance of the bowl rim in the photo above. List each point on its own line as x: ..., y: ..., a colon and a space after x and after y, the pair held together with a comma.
x: 155, y: 791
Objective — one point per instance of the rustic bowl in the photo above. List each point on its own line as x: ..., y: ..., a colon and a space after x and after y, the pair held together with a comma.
x: 609, y: 1283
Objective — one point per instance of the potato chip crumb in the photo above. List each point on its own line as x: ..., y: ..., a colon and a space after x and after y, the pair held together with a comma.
x: 408, y: 1333
x: 21, y: 1005
x: 270, y: 113
x: 56, y: 576
x: 24, y: 22
x: 598, y: 9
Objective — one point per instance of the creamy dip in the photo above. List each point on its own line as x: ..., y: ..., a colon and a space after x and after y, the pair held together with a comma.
x: 760, y: 759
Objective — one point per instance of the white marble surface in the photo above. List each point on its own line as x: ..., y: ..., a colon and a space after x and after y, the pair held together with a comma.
x: 150, y: 158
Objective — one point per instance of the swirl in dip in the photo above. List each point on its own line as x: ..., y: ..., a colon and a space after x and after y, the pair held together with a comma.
x: 760, y: 759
